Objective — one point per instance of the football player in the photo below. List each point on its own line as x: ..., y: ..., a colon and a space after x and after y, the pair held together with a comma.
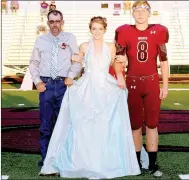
x: 140, y: 45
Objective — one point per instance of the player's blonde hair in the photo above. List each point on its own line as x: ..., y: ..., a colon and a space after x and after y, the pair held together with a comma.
x: 140, y: 3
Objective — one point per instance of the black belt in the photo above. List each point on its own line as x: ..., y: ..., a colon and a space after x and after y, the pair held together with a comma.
x: 50, y: 78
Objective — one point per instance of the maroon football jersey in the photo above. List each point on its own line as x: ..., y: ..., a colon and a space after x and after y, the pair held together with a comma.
x: 141, y: 47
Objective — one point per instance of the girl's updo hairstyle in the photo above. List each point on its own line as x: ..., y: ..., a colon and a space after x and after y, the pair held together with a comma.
x: 100, y: 20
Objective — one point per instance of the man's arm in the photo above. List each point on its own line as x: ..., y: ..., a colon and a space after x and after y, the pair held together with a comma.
x: 76, y: 66
x: 34, y: 67
x: 34, y: 63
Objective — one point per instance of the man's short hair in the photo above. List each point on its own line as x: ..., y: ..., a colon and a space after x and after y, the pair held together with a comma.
x: 55, y: 12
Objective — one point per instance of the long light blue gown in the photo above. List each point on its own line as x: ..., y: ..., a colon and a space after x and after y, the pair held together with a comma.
x: 92, y: 137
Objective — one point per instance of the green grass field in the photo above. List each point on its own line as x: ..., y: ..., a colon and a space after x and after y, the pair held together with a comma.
x: 176, y: 97
x: 17, y: 86
x: 10, y: 86
x: 179, y: 85
x: 30, y: 99
x: 24, y: 166
x: 14, y: 98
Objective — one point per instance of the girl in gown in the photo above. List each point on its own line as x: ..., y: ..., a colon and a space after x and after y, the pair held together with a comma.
x: 92, y: 137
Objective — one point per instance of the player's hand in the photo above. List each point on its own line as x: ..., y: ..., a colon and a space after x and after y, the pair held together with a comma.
x: 163, y: 93
x: 68, y: 81
x: 121, y: 82
x: 77, y: 57
x: 41, y: 86
x: 120, y: 58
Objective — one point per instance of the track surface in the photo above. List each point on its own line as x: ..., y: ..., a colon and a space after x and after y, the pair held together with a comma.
x: 20, y: 128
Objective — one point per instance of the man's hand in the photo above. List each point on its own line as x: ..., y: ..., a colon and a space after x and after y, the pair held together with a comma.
x: 41, y: 86
x: 121, y: 82
x: 163, y: 93
x: 121, y: 59
x: 68, y: 81
x: 77, y: 57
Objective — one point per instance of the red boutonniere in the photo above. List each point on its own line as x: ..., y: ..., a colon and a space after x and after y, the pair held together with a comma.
x: 64, y: 45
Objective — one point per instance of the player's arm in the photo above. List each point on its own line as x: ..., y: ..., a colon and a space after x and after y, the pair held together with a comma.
x: 164, y: 70
x: 118, y: 68
x: 120, y: 46
x: 164, y: 62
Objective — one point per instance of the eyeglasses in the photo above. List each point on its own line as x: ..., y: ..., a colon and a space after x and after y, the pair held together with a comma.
x: 57, y: 21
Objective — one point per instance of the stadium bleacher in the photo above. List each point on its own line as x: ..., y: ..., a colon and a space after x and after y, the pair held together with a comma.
x: 19, y: 33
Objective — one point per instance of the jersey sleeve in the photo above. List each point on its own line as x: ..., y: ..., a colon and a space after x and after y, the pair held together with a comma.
x: 163, y: 35
x: 163, y: 38
x: 120, y: 40
x: 162, y: 51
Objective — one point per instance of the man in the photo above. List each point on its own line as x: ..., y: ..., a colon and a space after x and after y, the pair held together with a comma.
x: 52, y: 71
x: 142, y: 43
